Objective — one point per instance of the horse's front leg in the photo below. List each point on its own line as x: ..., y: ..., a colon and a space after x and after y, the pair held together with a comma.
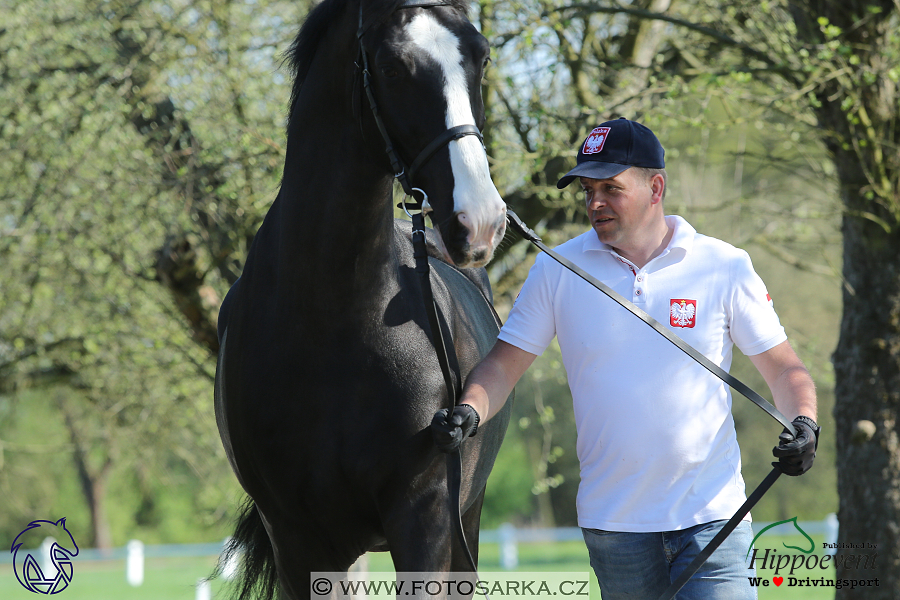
x: 425, y: 547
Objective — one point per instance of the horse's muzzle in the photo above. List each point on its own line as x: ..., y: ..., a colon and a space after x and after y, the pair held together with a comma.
x: 469, y: 244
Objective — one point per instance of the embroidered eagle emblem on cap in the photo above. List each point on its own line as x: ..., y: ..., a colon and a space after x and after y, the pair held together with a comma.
x: 682, y: 312
x: 594, y: 142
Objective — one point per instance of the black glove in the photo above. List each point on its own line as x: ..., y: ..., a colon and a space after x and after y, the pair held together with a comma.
x: 796, y: 454
x: 448, y: 433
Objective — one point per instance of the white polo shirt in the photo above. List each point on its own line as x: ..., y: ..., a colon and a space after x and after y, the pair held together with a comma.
x: 656, y: 438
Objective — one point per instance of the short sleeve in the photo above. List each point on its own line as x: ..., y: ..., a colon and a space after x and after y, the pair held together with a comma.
x: 531, y: 324
x: 755, y: 326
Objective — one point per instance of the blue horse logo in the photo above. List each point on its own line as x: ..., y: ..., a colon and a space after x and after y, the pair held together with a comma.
x: 28, y: 569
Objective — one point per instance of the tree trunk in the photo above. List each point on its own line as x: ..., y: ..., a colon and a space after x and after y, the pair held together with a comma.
x: 867, y: 392
x: 93, y: 481
x: 858, y: 118
x: 95, y: 493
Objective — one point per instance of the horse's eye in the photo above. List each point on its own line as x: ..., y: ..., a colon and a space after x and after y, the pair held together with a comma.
x: 388, y: 71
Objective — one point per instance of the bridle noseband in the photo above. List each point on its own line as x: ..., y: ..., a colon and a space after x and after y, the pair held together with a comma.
x: 403, y: 174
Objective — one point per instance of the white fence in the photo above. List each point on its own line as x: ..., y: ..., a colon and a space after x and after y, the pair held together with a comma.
x: 507, y: 536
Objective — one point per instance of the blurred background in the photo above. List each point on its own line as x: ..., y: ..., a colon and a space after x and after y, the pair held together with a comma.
x: 142, y: 141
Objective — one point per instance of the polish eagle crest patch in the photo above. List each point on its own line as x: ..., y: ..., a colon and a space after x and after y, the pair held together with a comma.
x: 682, y: 312
x: 594, y: 142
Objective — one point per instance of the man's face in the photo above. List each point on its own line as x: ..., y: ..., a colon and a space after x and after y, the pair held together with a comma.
x: 618, y: 207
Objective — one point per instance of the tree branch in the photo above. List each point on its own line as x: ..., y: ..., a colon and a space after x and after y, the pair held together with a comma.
x: 36, y: 349
x: 589, y: 8
x: 794, y: 261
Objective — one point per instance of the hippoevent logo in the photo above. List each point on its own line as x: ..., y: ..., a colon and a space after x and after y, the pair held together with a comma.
x: 27, y: 567
x: 785, y: 564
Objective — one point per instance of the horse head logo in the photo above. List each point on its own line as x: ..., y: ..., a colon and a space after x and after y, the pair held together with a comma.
x: 812, y: 545
x: 28, y: 569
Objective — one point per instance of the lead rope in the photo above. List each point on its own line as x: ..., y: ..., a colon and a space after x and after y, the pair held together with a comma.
x: 420, y: 252
x: 516, y: 223
x: 454, y: 459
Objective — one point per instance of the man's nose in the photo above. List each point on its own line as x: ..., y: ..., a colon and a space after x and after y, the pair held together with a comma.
x: 596, y: 201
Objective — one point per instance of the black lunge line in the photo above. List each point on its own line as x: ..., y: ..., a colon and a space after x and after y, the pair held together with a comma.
x: 726, y: 530
x: 405, y: 176
x: 454, y: 459
x: 516, y: 223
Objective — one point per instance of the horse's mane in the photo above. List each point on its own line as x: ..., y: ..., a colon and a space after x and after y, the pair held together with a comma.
x: 302, y: 50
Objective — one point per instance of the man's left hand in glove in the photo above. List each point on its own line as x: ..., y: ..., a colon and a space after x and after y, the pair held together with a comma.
x: 795, y: 454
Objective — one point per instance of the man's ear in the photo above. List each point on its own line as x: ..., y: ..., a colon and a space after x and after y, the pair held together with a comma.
x: 657, y: 188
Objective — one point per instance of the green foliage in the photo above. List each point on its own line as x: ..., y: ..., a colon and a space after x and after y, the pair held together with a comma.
x: 141, y: 144
x: 101, y: 179
x: 779, y: 120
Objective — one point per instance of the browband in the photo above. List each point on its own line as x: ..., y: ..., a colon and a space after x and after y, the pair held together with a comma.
x: 401, y: 173
x: 408, y: 4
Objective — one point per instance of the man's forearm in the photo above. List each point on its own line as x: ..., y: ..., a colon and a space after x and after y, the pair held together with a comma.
x: 789, y: 380
x: 492, y: 381
x: 795, y: 393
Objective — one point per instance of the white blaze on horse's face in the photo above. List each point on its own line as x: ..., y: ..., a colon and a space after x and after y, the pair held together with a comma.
x: 476, y: 200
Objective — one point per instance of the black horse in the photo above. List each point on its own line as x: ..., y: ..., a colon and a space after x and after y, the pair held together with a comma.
x: 327, y: 379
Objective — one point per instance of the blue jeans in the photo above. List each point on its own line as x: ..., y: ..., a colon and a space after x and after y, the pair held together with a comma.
x: 642, y: 565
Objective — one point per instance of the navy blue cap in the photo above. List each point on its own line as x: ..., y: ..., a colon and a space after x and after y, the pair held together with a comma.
x: 613, y: 147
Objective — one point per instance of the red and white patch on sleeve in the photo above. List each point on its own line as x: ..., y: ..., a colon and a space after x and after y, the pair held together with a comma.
x: 682, y: 312
x: 770, y: 301
x: 594, y: 142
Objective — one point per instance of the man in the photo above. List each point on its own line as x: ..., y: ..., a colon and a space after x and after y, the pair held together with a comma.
x: 660, y: 464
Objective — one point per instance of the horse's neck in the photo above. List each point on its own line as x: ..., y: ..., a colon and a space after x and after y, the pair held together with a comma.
x: 335, y: 226
x: 331, y: 238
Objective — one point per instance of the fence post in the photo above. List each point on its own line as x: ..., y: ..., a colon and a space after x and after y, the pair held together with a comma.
x: 134, y: 564
x: 831, y: 532
x: 231, y: 564
x: 204, y: 590
x: 47, y: 566
x: 359, y: 571
x: 509, y: 553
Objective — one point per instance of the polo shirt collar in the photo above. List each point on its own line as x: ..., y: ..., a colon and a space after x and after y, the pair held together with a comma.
x: 683, y: 237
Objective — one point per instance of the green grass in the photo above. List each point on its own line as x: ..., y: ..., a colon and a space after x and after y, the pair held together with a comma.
x: 176, y: 578
x: 164, y: 579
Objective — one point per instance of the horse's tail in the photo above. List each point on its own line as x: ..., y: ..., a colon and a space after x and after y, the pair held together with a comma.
x: 250, y: 543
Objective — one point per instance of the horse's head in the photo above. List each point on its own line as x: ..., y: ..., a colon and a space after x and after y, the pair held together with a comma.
x: 426, y: 65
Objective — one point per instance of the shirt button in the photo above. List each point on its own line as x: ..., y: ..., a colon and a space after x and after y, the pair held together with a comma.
x: 640, y: 278
x: 637, y: 293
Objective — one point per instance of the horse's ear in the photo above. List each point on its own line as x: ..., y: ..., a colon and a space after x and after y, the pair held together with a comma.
x: 62, y: 523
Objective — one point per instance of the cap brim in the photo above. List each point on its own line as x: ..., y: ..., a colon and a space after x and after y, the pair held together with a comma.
x: 592, y: 169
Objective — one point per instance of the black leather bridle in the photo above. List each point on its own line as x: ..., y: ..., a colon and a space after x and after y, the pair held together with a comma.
x: 403, y: 174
